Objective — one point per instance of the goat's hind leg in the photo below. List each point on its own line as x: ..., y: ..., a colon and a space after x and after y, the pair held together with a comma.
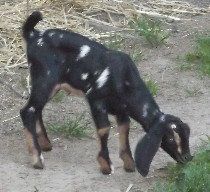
x: 35, y: 134
x: 123, y: 122
x: 100, y: 117
x: 41, y: 132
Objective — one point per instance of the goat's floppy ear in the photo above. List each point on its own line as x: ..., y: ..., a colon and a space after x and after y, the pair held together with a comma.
x: 147, y: 148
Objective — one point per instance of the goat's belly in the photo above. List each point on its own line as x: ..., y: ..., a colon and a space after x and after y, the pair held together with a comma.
x: 67, y: 88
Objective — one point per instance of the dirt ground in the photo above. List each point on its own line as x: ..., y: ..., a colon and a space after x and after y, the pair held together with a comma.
x: 71, y: 165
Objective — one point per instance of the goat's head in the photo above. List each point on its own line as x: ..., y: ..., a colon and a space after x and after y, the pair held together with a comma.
x: 171, y: 134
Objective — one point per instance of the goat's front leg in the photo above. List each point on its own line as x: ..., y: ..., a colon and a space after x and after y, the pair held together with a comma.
x: 123, y: 122
x: 100, y: 118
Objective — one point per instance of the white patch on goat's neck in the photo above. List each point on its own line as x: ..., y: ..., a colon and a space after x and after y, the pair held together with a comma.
x: 102, y: 79
x: 84, y: 76
x: 145, y: 110
x: 84, y: 50
x: 173, y: 126
x: 40, y: 41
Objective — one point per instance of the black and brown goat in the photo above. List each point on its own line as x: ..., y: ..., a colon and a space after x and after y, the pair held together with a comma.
x: 110, y: 82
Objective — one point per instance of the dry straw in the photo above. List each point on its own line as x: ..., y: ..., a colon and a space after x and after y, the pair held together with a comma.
x: 92, y: 18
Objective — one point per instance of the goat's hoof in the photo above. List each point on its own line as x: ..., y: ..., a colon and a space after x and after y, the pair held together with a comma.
x: 105, y: 166
x: 38, y: 165
x: 130, y: 169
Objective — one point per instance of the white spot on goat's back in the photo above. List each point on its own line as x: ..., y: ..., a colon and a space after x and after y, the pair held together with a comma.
x: 61, y: 36
x: 173, y: 126
x: 51, y: 34
x: 84, y: 76
x: 40, y: 41
x: 102, y: 79
x: 48, y: 72
x: 145, y: 109
x: 31, y: 109
x: 84, y: 50
x: 31, y: 34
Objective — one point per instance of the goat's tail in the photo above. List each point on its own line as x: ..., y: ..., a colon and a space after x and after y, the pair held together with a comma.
x: 30, y: 23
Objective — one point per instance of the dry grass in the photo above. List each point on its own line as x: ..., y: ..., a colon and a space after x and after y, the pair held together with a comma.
x: 93, y: 18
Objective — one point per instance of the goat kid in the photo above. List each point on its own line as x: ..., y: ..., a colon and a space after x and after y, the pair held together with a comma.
x: 110, y: 82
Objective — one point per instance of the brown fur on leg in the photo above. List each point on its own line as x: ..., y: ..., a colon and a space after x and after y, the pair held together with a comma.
x: 36, y: 159
x: 125, y: 152
x: 43, y: 141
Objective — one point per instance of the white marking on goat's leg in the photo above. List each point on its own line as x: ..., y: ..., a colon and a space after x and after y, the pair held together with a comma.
x: 84, y: 50
x: 112, y: 169
x: 42, y: 158
x: 31, y: 109
x: 102, y: 79
x: 84, y: 76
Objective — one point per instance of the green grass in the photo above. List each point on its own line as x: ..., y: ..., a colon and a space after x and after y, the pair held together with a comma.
x: 152, y: 85
x: 151, y: 29
x: 135, y: 54
x: 114, y: 42
x: 201, y: 55
x: 193, y: 92
x: 74, y: 128
x: 23, y: 81
x: 59, y: 96
x: 185, y: 66
x: 192, y: 177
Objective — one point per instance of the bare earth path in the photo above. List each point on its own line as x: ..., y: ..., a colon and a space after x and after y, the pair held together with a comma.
x: 71, y: 165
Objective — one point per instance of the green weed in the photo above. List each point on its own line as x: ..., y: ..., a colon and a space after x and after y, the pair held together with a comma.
x: 151, y: 29
x: 201, y: 55
x: 59, y: 96
x: 184, y: 66
x: 73, y: 128
x: 135, y: 54
x: 114, y: 42
x: 23, y: 81
x: 192, y: 177
x: 193, y: 92
x: 152, y: 85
